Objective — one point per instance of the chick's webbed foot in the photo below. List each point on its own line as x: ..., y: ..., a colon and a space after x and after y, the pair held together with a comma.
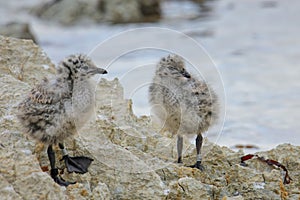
x: 60, y: 181
x: 78, y: 164
x: 198, y: 165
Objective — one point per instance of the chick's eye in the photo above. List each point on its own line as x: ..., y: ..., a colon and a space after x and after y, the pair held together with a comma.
x: 85, y: 67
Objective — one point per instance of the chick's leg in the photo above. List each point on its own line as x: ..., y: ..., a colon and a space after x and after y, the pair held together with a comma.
x: 199, y: 141
x: 54, y: 171
x: 179, y: 148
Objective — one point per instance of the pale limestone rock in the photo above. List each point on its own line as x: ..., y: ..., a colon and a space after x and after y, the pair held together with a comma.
x: 120, y: 169
x: 101, y: 192
x: 233, y: 198
x: 188, y: 188
x: 38, y: 185
x: 7, y: 191
x: 23, y: 60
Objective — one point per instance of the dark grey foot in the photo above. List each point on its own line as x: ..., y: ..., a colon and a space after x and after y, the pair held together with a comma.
x: 198, y: 166
x: 78, y: 164
x: 60, y: 181
x: 179, y: 160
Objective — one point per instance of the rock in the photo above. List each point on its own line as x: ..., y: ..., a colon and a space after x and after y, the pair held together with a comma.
x: 131, y: 159
x: 188, y: 188
x: 70, y: 12
x: 125, y: 11
x: 121, y: 11
x: 101, y: 191
x: 40, y: 186
x: 7, y: 190
x: 18, y: 30
x: 23, y: 60
x: 150, y: 9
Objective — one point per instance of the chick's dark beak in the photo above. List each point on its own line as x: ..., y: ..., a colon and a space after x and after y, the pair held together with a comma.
x: 102, y: 71
x: 186, y: 74
x: 98, y: 71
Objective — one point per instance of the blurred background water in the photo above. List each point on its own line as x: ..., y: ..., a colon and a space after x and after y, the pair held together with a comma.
x: 255, y: 45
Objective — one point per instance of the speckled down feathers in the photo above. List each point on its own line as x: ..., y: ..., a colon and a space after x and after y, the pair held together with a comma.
x: 50, y: 112
x: 184, y: 104
x: 43, y: 114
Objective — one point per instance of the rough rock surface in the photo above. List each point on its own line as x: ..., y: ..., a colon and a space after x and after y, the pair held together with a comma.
x: 70, y: 12
x: 17, y: 30
x: 131, y: 160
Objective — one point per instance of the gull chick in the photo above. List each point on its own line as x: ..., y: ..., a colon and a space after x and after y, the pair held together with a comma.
x: 185, y: 105
x: 55, y: 108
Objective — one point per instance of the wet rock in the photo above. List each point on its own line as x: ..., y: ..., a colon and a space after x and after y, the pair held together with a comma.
x: 18, y: 30
x: 68, y: 12
x: 125, y: 11
x: 150, y: 9
x: 132, y: 160
x: 120, y: 11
